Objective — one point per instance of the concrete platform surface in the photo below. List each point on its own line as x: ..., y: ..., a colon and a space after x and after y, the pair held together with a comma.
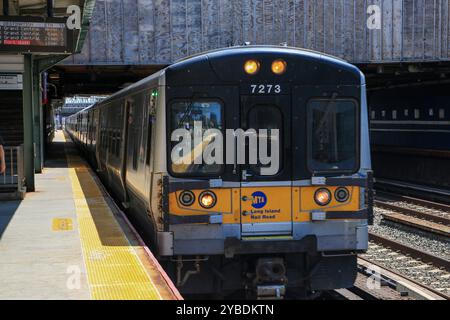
x: 68, y: 241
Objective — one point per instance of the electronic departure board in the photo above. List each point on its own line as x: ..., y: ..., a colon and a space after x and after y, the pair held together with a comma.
x: 28, y: 34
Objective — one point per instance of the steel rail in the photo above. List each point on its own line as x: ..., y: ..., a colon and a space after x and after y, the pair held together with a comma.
x: 431, y: 193
x: 416, y: 201
x: 412, y: 212
x: 413, y: 252
x: 417, y: 287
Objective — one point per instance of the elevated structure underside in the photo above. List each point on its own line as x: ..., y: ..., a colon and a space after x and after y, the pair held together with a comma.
x: 130, y: 32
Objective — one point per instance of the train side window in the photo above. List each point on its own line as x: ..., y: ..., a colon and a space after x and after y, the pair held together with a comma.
x: 383, y: 113
x: 132, y: 120
x: 104, y: 139
x: 110, y: 140
x: 406, y: 112
x: 117, y: 122
x: 394, y: 114
x: 431, y: 112
x: 416, y: 113
x: 441, y: 114
x: 332, y: 135
x: 118, y: 141
x: 143, y: 126
x: 151, y: 105
x: 113, y: 142
x: 373, y: 114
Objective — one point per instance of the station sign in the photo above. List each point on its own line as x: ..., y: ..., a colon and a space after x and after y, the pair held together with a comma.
x: 35, y: 35
x: 10, y: 81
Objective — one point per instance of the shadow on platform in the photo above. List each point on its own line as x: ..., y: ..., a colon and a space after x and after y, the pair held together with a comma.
x: 94, y: 196
x: 56, y: 156
x: 7, y: 211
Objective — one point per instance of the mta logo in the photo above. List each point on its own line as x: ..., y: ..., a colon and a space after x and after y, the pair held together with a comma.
x: 259, y: 200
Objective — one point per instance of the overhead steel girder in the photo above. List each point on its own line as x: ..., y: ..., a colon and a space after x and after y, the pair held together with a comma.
x: 88, y: 10
x: 43, y: 63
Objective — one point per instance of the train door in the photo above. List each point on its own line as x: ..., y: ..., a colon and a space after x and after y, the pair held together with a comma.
x: 149, y: 116
x: 96, y: 143
x: 266, y: 185
x: 102, y: 141
x: 124, y: 147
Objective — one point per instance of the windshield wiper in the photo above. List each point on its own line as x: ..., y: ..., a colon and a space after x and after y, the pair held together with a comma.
x: 187, y: 113
x: 327, y: 112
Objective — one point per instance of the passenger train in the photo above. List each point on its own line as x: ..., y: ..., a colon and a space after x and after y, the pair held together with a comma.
x: 230, y: 226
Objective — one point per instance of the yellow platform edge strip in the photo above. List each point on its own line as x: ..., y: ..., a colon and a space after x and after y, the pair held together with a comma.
x: 114, y: 271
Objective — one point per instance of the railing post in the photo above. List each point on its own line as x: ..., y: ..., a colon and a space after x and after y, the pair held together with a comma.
x: 4, y: 173
x: 11, y: 168
x: 20, y: 165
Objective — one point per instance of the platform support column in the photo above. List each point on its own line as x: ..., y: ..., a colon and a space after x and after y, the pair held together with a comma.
x: 28, y: 152
x: 38, y: 131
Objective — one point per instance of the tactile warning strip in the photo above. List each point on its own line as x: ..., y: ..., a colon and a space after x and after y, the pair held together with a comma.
x: 114, y: 271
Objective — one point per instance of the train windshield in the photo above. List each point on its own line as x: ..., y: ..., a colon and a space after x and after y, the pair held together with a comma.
x: 268, y: 118
x: 332, y: 135
x: 194, y: 126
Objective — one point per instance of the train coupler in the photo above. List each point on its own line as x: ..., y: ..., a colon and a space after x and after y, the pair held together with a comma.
x: 270, y: 292
x: 270, y: 281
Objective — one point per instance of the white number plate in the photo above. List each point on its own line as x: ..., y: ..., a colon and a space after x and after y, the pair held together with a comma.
x: 266, y: 89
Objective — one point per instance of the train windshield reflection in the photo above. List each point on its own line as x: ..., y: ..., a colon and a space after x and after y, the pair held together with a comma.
x: 183, y: 116
x: 332, y: 135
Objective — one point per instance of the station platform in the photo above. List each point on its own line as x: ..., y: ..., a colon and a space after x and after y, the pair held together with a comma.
x: 68, y: 240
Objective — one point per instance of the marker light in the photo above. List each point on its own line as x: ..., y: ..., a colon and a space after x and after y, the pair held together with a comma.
x: 322, y: 197
x: 279, y: 66
x: 341, y: 194
x: 207, y: 199
x: 187, y: 198
x: 251, y: 67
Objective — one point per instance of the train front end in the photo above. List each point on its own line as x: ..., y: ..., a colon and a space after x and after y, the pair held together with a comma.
x: 267, y: 184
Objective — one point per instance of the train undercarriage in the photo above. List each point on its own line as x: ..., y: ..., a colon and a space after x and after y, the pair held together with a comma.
x: 283, y: 276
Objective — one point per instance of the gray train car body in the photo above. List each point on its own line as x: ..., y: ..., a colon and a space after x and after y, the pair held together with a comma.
x: 267, y: 227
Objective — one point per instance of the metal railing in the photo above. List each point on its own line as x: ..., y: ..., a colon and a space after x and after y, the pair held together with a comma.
x: 13, y: 177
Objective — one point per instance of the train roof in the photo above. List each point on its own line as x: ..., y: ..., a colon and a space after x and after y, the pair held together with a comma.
x: 304, y: 67
x: 264, y: 47
x: 231, y: 52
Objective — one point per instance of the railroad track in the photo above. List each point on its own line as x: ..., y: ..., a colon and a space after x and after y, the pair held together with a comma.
x: 364, y: 289
x: 421, y: 214
x: 376, y: 282
x: 412, y: 271
x: 415, y: 190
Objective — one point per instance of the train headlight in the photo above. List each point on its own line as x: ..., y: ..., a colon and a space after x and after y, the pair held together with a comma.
x: 251, y: 67
x: 187, y: 198
x: 341, y: 194
x: 322, y: 197
x: 207, y: 199
x: 279, y: 66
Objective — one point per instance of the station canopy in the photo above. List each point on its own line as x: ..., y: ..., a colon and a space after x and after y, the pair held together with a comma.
x: 39, y: 7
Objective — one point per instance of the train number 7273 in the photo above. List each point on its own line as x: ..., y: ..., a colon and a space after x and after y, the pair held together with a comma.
x: 265, y: 88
